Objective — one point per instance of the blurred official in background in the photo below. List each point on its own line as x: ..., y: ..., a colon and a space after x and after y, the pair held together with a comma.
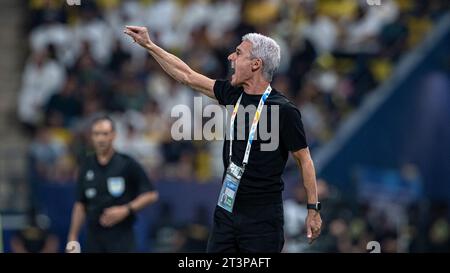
x: 249, y: 211
x: 111, y: 188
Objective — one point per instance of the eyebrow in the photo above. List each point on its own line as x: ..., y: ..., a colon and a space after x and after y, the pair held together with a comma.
x: 238, y: 49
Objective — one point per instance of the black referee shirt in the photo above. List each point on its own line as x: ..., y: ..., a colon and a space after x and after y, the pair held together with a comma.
x: 261, y: 182
x: 103, y: 186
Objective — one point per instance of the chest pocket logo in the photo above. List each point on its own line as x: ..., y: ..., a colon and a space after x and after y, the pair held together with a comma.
x: 90, y: 175
x: 116, y: 186
x: 90, y: 193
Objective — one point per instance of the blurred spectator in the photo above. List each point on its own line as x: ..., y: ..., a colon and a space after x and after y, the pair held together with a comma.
x: 294, y: 221
x: 45, y: 152
x: 35, y: 237
x: 65, y: 103
x: 42, y: 77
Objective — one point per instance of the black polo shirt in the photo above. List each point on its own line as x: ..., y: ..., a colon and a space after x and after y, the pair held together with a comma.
x: 261, y: 182
x: 103, y: 186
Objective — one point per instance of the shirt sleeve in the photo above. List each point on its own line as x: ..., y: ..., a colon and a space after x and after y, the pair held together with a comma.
x: 225, y: 93
x: 292, y: 132
x: 140, y: 177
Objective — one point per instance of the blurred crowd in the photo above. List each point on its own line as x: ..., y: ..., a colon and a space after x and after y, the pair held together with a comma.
x: 352, y: 227
x: 334, y: 53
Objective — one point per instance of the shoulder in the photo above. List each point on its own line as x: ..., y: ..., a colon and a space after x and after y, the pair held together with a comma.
x: 124, y: 157
x: 127, y: 159
x: 288, y: 112
x: 226, y: 93
x: 221, y: 84
x: 85, y: 161
x: 226, y: 86
x: 286, y: 105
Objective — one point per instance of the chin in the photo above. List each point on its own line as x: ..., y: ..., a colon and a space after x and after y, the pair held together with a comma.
x: 234, y: 82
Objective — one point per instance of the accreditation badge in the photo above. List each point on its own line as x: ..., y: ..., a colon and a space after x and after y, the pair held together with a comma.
x: 230, y: 186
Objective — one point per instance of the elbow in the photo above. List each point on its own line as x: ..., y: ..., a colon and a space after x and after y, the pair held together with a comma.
x: 153, y: 197
x: 186, y: 77
x: 79, y: 205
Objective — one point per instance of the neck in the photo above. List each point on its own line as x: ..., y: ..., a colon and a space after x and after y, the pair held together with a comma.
x: 105, y: 157
x: 255, y: 86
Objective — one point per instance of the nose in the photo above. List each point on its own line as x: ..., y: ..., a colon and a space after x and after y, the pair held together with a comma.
x: 231, y: 56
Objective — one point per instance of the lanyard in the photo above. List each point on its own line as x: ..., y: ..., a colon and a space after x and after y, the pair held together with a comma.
x: 251, y: 134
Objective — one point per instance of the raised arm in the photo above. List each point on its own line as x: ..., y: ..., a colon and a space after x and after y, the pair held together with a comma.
x: 173, y: 65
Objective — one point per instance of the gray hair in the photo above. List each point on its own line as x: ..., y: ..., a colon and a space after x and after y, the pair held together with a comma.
x: 267, y: 50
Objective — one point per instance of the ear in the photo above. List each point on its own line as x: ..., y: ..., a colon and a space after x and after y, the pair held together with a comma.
x: 256, y: 64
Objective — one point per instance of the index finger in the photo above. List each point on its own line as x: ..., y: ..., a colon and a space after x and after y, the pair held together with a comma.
x: 134, y: 28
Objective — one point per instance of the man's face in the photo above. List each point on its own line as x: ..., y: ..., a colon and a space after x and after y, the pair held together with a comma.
x: 102, y: 136
x: 242, y: 65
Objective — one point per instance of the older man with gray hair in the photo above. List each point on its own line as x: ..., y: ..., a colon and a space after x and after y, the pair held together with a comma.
x: 249, y: 212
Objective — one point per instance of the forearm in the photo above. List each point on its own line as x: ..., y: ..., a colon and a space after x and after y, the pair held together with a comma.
x: 309, y: 181
x: 143, y: 200
x: 78, y: 217
x: 173, y: 65
x: 313, y: 220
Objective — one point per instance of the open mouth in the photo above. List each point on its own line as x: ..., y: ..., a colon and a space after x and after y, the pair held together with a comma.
x: 232, y: 69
